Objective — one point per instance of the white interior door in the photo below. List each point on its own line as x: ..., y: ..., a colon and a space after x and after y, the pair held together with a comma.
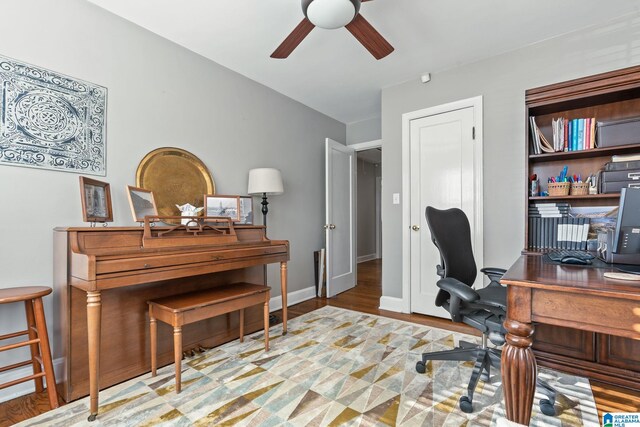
x: 340, y: 217
x: 442, y: 176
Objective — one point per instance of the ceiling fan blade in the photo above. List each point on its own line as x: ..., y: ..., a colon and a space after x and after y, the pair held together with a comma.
x: 293, y: 40
x: 369, y: 37
x: 362, y: 1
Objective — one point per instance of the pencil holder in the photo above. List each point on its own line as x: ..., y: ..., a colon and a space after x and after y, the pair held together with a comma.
x: 559, y: 188
x: 579, y: 188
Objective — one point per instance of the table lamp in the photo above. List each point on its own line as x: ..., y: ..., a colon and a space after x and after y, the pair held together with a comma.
x: 265, y: 181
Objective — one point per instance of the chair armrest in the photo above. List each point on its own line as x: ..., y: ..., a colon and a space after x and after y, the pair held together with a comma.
x: 494, y: 271
x: 494, y: 274
x: 458, y: 289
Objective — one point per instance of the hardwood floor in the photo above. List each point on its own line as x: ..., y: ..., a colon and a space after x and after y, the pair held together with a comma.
x: 365, y: 297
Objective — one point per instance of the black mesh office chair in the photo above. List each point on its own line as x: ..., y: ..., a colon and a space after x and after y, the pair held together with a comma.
x: 485, y: 309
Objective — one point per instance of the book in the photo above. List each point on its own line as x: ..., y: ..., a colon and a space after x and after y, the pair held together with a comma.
x: 535, y: 142
x: 625, y: 157
x: 580, y: 136
x: 548, y: 204
x: 570, y: 135
x: 559, y: 209
x: 562, y: 243
x: 545, y: 145
x: 587, y: 134
x: 593, y: 132
x: 566, y: 134
x: 558, y: 133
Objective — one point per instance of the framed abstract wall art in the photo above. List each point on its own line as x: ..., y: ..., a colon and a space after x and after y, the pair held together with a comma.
x: 51, y: 121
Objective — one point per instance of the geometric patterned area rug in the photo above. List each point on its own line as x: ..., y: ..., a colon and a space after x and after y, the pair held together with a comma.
x: 335, y: 367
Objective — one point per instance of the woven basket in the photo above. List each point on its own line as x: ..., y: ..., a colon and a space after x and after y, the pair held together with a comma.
x: 579, y: 189
x: 559, y: 188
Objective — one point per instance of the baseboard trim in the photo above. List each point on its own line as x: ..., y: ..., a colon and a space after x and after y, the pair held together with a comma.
x: 391, y: 304
x: 294, y: 297
x: 365, y: 258
x: 27, y: 386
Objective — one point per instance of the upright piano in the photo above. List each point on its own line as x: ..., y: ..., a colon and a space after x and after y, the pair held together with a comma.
x: 103, y: 278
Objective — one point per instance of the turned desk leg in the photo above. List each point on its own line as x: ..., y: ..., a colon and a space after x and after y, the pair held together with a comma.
x: 94, y: 309
x: 518, y: 371
x: 283, y: 290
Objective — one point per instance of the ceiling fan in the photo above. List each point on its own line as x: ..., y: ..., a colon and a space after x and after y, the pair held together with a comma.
x: 331, y: 14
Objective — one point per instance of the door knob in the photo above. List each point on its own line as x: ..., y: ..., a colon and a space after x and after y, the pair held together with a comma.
x: 332, y: 226
x: 415, y: 228
x: 326, y: 226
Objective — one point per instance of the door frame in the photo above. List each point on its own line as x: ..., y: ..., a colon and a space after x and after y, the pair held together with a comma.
x: 476, y: 103
x: 362, y: 146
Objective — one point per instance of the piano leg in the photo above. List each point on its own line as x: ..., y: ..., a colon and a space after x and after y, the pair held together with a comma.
x: 94, y: 309
x: 283, y: 290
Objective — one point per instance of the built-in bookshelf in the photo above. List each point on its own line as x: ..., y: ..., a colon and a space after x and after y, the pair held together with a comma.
x: 605, y: 97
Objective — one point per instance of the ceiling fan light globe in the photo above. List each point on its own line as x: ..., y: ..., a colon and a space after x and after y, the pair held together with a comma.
x: 330, y: 14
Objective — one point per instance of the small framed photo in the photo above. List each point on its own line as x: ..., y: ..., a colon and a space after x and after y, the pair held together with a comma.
x: 226, y: 206
x: 246, y: 210
x: 142, y: 203
x: 96, y: 200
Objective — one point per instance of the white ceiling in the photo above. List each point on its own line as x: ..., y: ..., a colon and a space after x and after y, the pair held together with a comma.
x: 330, y: 71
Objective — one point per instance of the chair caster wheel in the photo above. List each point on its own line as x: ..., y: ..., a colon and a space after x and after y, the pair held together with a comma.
x: 465, y: 405
x: 547, y: 408
x: 92, y: 417
x: 420, y: 368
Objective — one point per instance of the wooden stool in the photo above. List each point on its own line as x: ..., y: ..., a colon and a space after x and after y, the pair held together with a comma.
x: 179, y: 310
x: 37, y: 332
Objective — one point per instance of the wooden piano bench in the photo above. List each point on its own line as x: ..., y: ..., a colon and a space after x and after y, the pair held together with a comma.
x: 179, y: 310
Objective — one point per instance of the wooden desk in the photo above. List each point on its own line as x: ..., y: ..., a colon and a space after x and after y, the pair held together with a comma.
x: 561, y: 295
x: 109, y: 274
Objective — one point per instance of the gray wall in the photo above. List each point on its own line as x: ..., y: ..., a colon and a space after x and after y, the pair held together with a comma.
x: 366, y: 207
x: 159, y: 94
x: 502, y: 81
x: 364, y: 131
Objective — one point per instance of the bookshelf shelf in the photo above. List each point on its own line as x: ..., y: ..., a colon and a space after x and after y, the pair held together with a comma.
x: 609, y: 96
x: 584, y: 154
x: 585, y: 197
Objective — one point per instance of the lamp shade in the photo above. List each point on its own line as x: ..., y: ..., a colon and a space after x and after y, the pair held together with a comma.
x: 265, y: 180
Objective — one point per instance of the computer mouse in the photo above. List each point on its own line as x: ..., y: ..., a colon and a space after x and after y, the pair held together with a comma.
x: 575, y: 260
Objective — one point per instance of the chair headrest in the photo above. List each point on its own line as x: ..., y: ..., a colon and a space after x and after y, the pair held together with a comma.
x: 451, y: 233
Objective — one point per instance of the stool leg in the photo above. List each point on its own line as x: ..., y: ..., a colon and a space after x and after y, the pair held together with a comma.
x: 45, y: 352
x: 153, y: 326
x: 177, y: 354
x: 266, y: 323
x: 35, y: 348
x: 242, y: 325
